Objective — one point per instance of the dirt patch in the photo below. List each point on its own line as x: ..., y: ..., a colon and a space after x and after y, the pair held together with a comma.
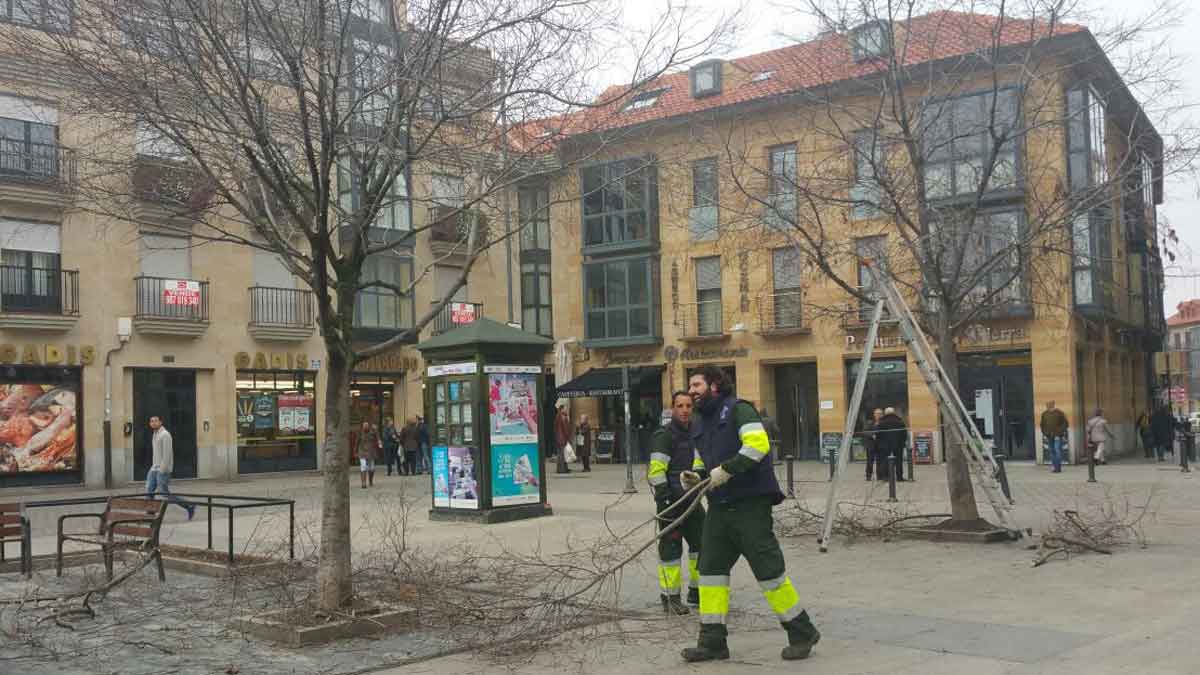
x: 214, y: 557
x: 951, y: 525
x: 309, y: 616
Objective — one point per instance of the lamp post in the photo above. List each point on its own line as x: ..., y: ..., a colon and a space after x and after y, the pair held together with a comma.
x: 630, y: 488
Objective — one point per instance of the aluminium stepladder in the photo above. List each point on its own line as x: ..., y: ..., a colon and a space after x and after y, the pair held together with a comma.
x: 977, y: 453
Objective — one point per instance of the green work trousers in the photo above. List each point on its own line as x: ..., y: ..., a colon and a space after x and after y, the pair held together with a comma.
x: 670, y: 549
x: 742, y: 528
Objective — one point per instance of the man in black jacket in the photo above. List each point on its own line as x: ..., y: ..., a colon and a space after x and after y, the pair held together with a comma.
x: 892, y: 436
x: 672, y: 453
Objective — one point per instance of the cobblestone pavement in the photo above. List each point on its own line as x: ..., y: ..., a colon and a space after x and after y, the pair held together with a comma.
x: 883, y: 607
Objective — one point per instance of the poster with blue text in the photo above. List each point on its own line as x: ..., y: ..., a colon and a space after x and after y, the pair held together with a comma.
x: 441, y: 476
x: 515, y: 478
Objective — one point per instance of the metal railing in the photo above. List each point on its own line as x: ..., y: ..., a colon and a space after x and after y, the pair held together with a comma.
x: 281, y: 307
x: 781, y: 311
x: 39, y: 163
x: 701, y: 319
x: 171, y: 183
x: 38, y: 290
x: 153, y: 302
x: 445, y: 320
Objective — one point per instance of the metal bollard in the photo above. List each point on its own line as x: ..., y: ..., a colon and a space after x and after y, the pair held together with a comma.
x: 791, y: 476
x: 891, y: 470
x: 1091, y: 466
x: 1185, y: 451
x: 908, y: 459
x: 832, y: 463
x: 1002, y: 477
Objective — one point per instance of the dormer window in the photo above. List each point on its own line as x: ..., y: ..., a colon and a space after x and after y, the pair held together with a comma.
x: 706, y: 79
x: 871, y: 41
x: 645, y: 99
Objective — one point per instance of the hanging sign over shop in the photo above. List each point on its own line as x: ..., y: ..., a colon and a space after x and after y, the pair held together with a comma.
x: 271, y: 361
x: 181, y: 292
x: 979, y: 334
x: 47, y: 354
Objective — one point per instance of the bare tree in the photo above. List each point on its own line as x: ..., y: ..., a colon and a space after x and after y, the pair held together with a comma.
x: 313, y: 130
x: 934, y: 150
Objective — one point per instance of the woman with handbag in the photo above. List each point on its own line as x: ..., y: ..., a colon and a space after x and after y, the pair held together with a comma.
x: 1098, y: 436
x: 562, y: 438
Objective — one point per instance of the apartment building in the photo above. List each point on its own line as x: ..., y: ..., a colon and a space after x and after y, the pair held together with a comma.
x: 665, y: 251
x: 218, y: 339
x: 1178, y: 365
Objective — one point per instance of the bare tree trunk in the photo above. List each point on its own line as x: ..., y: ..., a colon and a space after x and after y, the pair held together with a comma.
x: 333, y: 573
x: 958, y: 477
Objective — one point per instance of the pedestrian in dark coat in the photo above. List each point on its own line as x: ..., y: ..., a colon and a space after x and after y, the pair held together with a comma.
x: 562, y: 436
x: 871, y: 442
x: 1162, y: 429
x: 583, y: 433
x: 410, y: 440
x: 892, y: 434
x: 391, y: 444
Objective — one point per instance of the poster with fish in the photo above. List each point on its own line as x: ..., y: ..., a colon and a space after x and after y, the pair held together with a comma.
x: 38, y: 429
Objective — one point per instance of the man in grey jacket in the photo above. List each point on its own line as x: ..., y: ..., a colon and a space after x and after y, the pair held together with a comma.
x: 158, y: 478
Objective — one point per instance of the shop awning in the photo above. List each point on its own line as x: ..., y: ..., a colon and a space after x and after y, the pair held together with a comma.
x: 607, y: 382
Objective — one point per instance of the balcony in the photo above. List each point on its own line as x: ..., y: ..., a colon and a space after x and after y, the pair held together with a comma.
x: 858, y: 313
x: 168, y: 190
x: 280, y: 314
x: 701, y: 321
x: 448, y: 229
x: 455, y: 314
x: 177, y: 307
x: 781, y: 314
x: 36, y: 174
x: 41, y: 299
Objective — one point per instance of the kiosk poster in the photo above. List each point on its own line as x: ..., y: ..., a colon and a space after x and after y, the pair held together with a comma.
x: 464, y: 481
x: 515, y: 477
x: 923, y: 447
x: 512, y: 407
x: 37, y: 428
x: 295, y: 413
x: 441, y: 476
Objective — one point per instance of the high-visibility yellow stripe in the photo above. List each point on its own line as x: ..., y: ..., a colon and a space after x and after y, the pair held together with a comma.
x: 697, y: 463
x: 714, y: 601
x: 783, y: 599
x: 660, y: 457
x: 693, y: 570
x: 657, y: 473
x: 670, y: 577
x: 755, y: 442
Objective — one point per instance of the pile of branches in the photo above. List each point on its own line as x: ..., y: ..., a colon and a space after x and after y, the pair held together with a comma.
x: 853, y: 520
x: 1101, y: 526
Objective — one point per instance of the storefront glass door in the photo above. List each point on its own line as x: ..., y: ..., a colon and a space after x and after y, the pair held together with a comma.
x: 998, y: 390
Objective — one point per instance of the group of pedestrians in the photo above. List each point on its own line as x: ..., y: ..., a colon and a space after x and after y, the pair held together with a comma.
x: 406, y: 448
x: 885, y: 437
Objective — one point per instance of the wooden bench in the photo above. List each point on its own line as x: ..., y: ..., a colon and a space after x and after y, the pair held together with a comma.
x: 14, y: 527
x: 127, y: 523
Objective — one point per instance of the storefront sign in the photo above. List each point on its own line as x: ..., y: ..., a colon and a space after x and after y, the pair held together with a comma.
x: 628, y: 358
x: 465, y: 368
x: 462, y: 312
x: 978, y: 334
x: 181, y: 292
x: 533, y: 370
x: 691, y: 354
x: 881, y: 342
x: 271, y: 361
x: 38, y: 428
x: 923, y: 447
x: 47, y: 354
x: 387, y: 362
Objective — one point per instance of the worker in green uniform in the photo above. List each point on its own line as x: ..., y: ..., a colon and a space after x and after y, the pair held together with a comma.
x: 733, y: 444
x: 672, y: 453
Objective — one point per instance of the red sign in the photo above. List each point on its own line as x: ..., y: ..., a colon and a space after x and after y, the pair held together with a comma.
x: 181, y: 292
x: 1179, y: 394
x: 462, y: 312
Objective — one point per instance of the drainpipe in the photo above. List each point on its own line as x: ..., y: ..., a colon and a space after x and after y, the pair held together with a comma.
x: 124, y: 332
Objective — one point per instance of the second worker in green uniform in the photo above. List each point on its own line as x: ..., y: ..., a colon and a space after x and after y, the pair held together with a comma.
x: 672, y: 453
x: 730, y: 438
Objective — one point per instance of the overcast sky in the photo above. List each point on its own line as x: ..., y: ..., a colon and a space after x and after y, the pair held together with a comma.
x: 765, y: 24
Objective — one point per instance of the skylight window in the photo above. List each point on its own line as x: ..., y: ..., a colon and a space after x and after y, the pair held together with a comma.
x: 763, y: 76
x: 645, y: 99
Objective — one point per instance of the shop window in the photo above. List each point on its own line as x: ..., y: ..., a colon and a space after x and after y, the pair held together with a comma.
x: 276, y: 414
x: 886, y: 387
x: 957, y: 141
x: 453, y: 412
x: 620, y: 204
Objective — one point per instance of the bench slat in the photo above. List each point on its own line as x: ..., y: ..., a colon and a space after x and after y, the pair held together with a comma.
x: 11, y: 532
x: 140, y: 505
x: 9, y: 518
x: 133, y: 530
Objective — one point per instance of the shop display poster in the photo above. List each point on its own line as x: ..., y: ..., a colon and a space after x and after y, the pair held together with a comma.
x: 38, y: 428
x: 440, y: 459
x: 512, y: 408
x: 464, y: 478
x: 515, y: 474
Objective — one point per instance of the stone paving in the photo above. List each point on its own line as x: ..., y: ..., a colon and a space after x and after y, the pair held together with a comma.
x: 883, y: 607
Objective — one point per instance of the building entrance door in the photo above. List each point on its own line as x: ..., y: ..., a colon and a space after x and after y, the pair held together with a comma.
x: 171, y: 395
x: 797, y: 410
x: 998, y: 390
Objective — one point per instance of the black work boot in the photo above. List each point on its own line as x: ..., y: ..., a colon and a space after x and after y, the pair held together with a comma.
x: 672, y: 605
x: 710, y: 647
x: 802, y: 637
x: 693, y: 596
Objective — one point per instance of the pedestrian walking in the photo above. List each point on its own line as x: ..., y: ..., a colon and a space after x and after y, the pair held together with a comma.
x: 423, y: 439
x: 368, y: 448
x: 892, y: 434
x: 732, y: 443
x: 410, y: 442
x: 158, y: 478
x: 871, y: 442
x: 671, y: 453
x: 1162, y: 430
x: 1054, y: 434
x: 562, y: 438
x: 1099, y: 435
x: 391, y: 445
x: 583, y: 442
x: 1144, y: 434
x: 773, y: 434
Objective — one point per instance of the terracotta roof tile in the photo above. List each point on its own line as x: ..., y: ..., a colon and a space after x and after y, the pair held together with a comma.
x: 1188, y: 313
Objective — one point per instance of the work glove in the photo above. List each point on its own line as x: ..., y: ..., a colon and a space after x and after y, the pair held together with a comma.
x: 689, y: 479
x: 719, y: 477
